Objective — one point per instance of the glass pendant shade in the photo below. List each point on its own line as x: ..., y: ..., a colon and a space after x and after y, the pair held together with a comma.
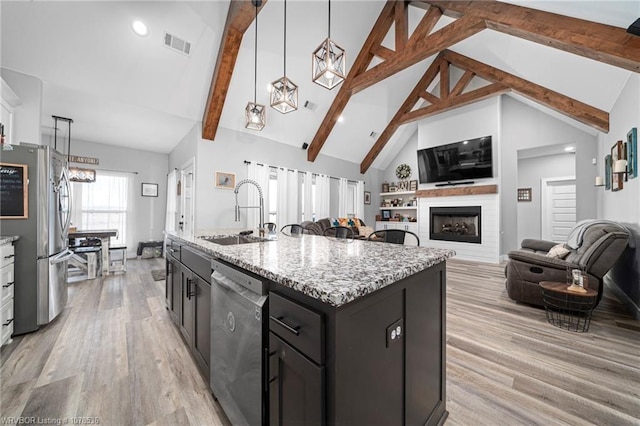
x: 254, y: 116
x: 284, y: 95
x: 329, y: 64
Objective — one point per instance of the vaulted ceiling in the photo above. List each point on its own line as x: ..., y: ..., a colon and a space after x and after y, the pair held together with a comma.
x: 125, y: 90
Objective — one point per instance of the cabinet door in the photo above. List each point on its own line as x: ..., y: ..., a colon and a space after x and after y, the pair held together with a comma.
x: 202, y: 332
x: 296, y: 386
x: 187, y: 312
x: 176, y: 289
x: 168, y: 284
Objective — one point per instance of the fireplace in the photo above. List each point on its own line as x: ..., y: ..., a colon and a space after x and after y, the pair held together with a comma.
x: 461, y: 224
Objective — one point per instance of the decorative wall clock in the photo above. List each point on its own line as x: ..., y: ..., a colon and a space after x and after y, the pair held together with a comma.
x: 403, y: 171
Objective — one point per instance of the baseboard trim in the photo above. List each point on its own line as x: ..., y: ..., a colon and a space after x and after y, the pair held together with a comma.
x: 624, y: 299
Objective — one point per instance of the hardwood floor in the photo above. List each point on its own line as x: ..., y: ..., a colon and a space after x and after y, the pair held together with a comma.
x: 507, y: 365
x: 114, y: 354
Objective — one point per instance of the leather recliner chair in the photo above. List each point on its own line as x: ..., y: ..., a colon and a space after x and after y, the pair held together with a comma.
x: 600, y: 247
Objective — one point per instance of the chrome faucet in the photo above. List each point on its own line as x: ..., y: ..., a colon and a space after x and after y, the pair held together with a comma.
x: 261, y: 206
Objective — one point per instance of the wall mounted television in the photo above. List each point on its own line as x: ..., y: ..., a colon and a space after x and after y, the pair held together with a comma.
x: 469, y: 159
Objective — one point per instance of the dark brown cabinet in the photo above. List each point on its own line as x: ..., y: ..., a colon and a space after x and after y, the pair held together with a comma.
x: 188, y: 296
x: 296, y: 386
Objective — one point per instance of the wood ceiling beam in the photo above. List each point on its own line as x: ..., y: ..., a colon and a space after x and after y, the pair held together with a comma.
x: 462, y: 83
x: 408, y: 104
x: 454, y: 102
x: 444, y: 80
x: 382, y: 52
x: 362, y: 61
x: 570, y: 107
x: 401, y: 24
x: 426, y: 24
x: 600, y: 42
x: 429, y: 97
x: 239, y: 17
x: 420, y: 50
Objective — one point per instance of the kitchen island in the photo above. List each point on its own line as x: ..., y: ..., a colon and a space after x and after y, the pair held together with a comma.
x: 356, y: 329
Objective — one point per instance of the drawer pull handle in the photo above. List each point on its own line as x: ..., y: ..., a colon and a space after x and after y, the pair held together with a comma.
x: 10, y: 256
x: 273, y: 379
x: 9, y: 284
x: 295, y: 329
x: 8, y: 322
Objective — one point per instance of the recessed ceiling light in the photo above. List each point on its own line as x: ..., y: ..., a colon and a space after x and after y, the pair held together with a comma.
x: 570, y: 149
x: 340, y: 119
x: 465, y: 142
x: 139, y: 28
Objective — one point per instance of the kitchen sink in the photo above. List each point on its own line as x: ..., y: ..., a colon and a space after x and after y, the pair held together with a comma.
x: 233, y: 240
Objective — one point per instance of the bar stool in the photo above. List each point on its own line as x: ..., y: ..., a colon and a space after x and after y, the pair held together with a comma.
x: 118, y: 259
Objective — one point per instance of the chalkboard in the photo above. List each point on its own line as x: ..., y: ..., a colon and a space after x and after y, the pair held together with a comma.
x: 14, y: 191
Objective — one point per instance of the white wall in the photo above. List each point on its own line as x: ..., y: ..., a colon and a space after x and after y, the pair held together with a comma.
x: 151, y: 167
x: 214, y: 207
x: 530, y: 173
x: 27, y: 116
x: 623, y: 206
x: 407, y: 155
x: 526, y: 127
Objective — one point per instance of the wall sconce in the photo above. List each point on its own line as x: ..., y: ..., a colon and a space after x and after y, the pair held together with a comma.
x: 620, y: 168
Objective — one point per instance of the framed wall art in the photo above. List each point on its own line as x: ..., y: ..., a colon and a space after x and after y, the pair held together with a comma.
x: 632, y: 153
x: 225, y: 180
x: 149, y: 189
x: 607, y: 172
x: 617, y: 153
x: 524, y: 194
x: 367, y: 197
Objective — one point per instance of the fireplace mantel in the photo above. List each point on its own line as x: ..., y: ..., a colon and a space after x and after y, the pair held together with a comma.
x: 450, y: 192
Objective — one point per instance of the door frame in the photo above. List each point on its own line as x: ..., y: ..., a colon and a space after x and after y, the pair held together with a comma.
x: 544, y: 184
x: 181, y: 205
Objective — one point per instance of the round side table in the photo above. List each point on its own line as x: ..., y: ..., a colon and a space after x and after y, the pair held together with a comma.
x: 566, y: 309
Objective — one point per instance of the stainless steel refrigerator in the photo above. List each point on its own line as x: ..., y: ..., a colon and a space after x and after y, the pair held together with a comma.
x: 42, y: 252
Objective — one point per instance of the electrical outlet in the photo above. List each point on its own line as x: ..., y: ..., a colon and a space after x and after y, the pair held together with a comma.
x: 395, y: 332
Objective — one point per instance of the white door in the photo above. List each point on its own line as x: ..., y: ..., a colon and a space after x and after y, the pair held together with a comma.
x: 185, y: 199
x: 558, y: 208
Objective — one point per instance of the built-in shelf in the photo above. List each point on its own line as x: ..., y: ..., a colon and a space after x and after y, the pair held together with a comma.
x: 399, y: 208
x: 386, y: 194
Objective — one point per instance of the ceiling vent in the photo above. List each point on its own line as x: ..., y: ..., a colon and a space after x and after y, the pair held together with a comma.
x: 373, y: 135
x: 310, y: 105
x: 177, y: 43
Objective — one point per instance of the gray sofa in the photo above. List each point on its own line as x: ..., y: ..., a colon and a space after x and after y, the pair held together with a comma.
x: 600, y: 246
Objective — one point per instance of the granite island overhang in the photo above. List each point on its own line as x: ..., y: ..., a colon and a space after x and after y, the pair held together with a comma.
x: 356, y: 329
x: 331, y: 270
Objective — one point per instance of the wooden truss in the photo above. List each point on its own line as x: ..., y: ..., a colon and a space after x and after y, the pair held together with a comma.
x: 450, y: 98
x: 596, y: 41
x: 600, y: 42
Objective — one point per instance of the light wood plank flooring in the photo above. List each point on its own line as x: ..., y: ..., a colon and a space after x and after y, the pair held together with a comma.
x: 114, y: 354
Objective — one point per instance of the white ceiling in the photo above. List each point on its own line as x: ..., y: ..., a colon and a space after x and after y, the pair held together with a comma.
x: 122, y: 89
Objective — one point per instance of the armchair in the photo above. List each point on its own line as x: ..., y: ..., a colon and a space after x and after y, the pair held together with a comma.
x: 594, y: 247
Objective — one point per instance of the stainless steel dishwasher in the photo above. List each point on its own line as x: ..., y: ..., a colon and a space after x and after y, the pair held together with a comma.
x: 238, y: 344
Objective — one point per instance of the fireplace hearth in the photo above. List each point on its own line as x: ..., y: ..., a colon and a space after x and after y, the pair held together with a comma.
x: 460, y: 224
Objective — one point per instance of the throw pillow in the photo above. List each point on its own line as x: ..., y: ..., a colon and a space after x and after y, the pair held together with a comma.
x: 365, y: 231
x: 343, y: 221
x: 558, y: 251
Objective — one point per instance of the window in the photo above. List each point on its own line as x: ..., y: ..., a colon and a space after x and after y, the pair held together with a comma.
x: 102, y: 204
x: 351, y: 199
x: 273, y: 196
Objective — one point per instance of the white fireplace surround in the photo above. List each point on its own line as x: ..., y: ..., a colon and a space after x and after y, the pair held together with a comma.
x: 488, y: 250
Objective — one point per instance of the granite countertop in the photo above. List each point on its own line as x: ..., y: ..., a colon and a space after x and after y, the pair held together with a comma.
x: 330, y: 270
x: 4, y: 239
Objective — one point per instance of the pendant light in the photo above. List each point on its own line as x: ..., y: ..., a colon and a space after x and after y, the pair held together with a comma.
x: 329, y: 62
x: 284, y: 92
x: 255, y: 113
